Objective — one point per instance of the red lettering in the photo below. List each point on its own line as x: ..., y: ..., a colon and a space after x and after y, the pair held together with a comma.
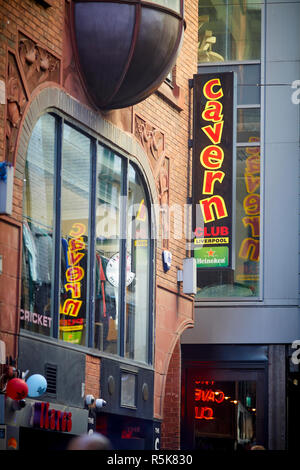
x: 219, y: 396
x: 74, y: 257
x: 210, y: 177
x: 252, y: 204
x: 69, y: 422
x: 204, y: 412
x: 58, y: 418
x: 219, y: 205
x: 252, y: 182
x: 253, y: 164
x: 79, y: 230
x: 75, y: 287
x: 213, y: 111
x: 46, y: 425
x: 214, y: 133
x: 71, y: 307
x: 52, y: 419
x: 254, y: 224
x: 224, y: 231
x: 74, y: 274
x: 76, y: 244
x: 208, y: 89
x: 212, y: 157
x: 42, y: 415
x: 249, y: 249
x: 213, y: 232
x: 64, y: 422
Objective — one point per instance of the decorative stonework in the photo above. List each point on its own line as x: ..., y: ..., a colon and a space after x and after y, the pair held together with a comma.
x: 151, y: 139
x: 30, y: 66
x: 38, y: 64
x: 153, y: 142
x: 16, y: 101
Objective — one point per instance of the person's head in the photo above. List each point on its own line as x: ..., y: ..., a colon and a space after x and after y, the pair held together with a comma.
x: 93, y: 441
x: 257, y: 447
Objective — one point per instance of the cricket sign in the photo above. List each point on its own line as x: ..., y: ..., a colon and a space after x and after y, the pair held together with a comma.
x: 213, y: 169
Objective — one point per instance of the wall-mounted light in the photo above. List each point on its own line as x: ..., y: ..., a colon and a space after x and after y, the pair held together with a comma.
x: 89, y: 400
x: 100, y: 403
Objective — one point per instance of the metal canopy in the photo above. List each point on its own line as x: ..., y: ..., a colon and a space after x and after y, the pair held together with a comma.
x: 124, y: 49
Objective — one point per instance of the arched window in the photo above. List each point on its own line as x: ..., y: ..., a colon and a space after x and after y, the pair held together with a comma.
x: 86, y: 270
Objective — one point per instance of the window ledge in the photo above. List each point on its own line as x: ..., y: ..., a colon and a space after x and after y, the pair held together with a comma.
x: 174, y: 95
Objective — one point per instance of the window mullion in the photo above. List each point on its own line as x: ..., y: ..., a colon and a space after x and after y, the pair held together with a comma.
x: 91, y: 248
x: 123, y: 258
x: 56, y: 265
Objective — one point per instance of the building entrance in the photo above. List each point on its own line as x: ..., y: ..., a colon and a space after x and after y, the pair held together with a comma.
x: 224, y: 405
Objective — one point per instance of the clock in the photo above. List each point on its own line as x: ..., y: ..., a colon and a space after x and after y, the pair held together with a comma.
x: 112, y: 270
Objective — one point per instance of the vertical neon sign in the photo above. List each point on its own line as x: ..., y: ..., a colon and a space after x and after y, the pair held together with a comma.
x: 213, y: 164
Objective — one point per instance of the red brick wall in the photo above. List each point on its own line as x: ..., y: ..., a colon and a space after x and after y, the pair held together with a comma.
x: 170, y: 429
x: 10, y: 241
x: 92, y: 376
x: 45, y: 26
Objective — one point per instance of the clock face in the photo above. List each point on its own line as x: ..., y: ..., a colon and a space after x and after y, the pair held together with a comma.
x: 112, y: 270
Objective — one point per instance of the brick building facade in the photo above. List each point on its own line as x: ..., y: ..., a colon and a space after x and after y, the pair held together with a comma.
x: 37, y: 74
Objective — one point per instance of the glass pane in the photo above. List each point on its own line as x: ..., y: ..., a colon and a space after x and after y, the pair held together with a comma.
x: 229, y: 30
x: 109, y: 167
x: 74, y: 235
x: 224, y: 414
x: 172, y: 4
x: 128, y: 387
x: 248, y: 217
x: 243, y: 281
x: 248, y: 125
x: 38, y: 229
x: 138, y: 264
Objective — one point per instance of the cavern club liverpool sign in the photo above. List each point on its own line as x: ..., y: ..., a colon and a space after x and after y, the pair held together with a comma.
x: 213, y: 169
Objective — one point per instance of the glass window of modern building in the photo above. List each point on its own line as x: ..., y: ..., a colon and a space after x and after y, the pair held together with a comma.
x: 230, y: 40
x: 86, y: 273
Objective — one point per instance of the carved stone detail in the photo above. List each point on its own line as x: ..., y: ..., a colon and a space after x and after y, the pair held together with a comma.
x: 153, y: 142
x: 163, y: 185
x: 38, y: 64
x: 151, y: 139
x: 16, y: 102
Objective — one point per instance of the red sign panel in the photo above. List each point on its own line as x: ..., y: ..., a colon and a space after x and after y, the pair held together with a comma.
x: 55, y: 420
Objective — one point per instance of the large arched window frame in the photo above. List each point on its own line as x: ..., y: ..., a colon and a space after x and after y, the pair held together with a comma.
x: 78, y: 156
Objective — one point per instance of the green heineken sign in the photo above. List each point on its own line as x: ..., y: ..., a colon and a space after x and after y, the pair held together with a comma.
x: 212, y: 257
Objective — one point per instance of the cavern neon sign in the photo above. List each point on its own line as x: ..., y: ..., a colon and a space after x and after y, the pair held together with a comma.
x: 74, y: 275
x: 213, y: 164
x: 204, y: 398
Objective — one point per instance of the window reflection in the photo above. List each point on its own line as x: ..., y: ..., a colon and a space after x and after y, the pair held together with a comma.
x: 109, y: 169
x: 224, y: 414
x: 38, y: 229
x: 229, y: 30
x: 88, y: 226
x: 74, y: 235
x: 248, y: 125
x: 138, y: 245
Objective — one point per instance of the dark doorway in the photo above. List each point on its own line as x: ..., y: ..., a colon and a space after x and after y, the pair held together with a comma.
x: 43, y: 440
x: 223, y: 403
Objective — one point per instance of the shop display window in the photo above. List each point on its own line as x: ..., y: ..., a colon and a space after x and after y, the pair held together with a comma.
x: 38, y: 226
x: 86, y: 243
